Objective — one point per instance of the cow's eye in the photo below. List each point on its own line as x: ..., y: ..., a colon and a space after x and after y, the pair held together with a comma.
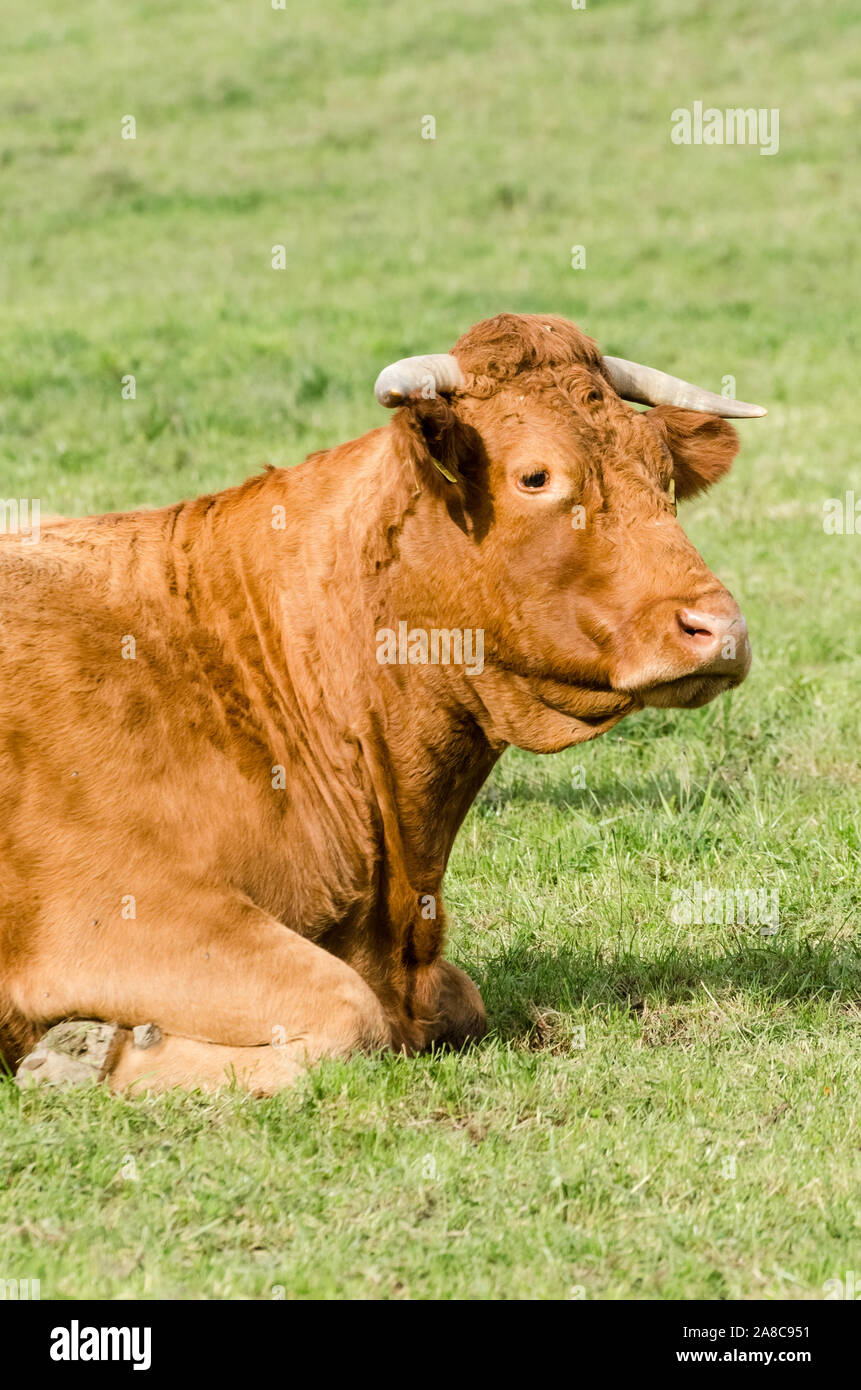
x: 534, y: 482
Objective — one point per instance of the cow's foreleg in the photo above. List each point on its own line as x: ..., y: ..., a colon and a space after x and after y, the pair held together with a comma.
x: 205, y: 1066
x: 232, y: 990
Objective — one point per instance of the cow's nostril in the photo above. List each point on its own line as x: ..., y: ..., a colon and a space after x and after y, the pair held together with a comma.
x: 701, y: 627
x: 710, y: 636
x: 692, y: 630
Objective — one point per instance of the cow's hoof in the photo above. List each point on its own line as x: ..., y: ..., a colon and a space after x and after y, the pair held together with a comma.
x: 76, y: 1053
x: 460, y: 1013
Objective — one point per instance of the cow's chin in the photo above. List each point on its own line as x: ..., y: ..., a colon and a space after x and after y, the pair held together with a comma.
x: 563, y: 716
x: 688, y: 692
x: 545, y: 714
x: 549, y: 730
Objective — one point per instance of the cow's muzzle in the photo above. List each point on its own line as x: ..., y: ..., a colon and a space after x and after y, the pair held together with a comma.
x: 684, y: 654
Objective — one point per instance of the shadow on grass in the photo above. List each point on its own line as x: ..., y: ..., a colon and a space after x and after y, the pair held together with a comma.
x: 522, y: 980
x: 653, y: 791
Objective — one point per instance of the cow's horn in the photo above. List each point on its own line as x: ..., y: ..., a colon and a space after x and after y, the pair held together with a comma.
x: 418, y: 376
x: 634, y: 382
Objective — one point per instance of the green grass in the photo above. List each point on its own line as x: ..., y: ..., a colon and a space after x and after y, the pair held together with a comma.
x: 589, y: 1144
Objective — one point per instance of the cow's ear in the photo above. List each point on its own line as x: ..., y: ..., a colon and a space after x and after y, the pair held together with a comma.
x: 703, y: 446
x: 443, y: 446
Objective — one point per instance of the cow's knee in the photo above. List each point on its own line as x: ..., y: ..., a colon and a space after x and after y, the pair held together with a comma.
x: 356, y: 1021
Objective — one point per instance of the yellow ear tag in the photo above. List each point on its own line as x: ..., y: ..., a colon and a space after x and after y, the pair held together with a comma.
x: 673, y: 497
x: 444, y: 471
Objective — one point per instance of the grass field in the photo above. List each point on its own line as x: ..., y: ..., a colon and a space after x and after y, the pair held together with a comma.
x: 662, y: 1110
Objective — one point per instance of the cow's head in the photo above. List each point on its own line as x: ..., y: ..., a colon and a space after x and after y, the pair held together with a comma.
x: 548, y: 519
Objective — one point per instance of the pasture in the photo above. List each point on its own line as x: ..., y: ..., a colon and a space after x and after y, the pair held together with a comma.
x: 664, y: 1108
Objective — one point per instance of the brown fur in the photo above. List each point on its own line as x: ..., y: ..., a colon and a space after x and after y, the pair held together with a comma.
x: 263, y: 909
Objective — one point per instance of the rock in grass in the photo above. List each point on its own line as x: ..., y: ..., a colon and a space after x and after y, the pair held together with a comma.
x: 146, y: 1035
x: 76, y: 1053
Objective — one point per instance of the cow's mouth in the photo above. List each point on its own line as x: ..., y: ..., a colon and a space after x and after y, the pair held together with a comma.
x: 597, y: 721
x: 687, y: 692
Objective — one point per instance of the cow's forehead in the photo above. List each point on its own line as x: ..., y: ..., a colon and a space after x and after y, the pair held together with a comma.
x: 578, y: 420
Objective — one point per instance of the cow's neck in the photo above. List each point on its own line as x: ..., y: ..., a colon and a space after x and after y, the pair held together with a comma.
x: 392, y: 750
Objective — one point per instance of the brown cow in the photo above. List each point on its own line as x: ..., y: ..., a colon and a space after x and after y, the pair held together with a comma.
x: 238, y: 735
